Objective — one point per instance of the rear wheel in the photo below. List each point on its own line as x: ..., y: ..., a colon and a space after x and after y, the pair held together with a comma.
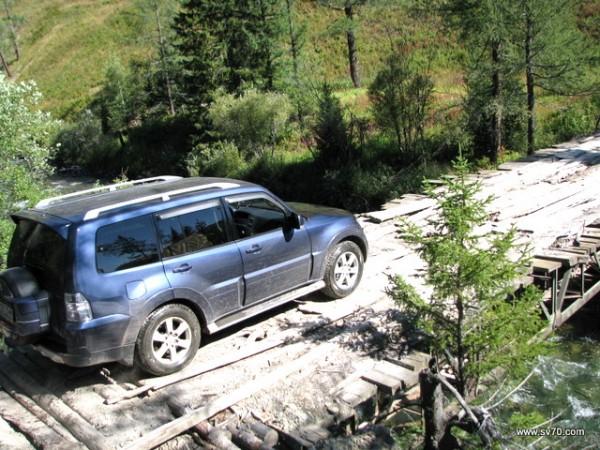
x: 343, y: 271
x: 168, y: 340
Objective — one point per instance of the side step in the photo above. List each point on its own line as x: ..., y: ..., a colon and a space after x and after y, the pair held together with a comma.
x: 254, y: 310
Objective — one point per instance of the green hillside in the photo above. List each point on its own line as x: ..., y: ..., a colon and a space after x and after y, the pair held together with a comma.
x: 66, y: 45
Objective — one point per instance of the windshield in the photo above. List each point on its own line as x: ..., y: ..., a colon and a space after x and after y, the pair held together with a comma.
x: 37, y: 246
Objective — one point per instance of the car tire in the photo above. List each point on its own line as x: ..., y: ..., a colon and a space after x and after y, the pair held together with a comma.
x: 343, y: 270
x: 168, y: 340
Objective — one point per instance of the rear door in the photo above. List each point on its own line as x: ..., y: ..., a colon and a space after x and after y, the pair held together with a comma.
x: 277, y: 257
x: 201, y: 260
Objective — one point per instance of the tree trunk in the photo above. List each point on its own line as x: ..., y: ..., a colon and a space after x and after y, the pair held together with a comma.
x: 497, y: 95
x: 13, y: 31
x: 530, y: 88
x: 351, y: 40
x: 5, y: 65
x: 163, y: 57
x: 432, y: 402
x: 294, y: 49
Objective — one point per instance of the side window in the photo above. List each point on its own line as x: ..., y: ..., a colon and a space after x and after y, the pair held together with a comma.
x: 256, y: 214
x: 188, y: 231
x: 126, y: 244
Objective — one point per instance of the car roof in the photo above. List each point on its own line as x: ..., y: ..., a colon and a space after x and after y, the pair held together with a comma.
x: 106, y: 200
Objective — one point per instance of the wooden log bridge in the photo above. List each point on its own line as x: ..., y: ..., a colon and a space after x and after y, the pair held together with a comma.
x: 570, y: 276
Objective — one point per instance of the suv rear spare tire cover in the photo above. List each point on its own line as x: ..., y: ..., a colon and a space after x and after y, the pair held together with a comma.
x: 20, y: 282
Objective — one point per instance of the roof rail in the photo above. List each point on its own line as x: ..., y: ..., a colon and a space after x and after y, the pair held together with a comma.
x: 165, y: 196
x: 108, y: 187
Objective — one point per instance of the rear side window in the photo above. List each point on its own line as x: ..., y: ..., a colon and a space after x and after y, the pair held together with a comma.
x: 127, y: 244
x: 192, y: 229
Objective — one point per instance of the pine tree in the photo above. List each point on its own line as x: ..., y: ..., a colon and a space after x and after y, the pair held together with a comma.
x: 400, y: 95
x: 552, y: 51
x: 227, y: 45
x: 162, y: 70
x: 472, y: 320
x: 484, y: 29
x: 202, y: 51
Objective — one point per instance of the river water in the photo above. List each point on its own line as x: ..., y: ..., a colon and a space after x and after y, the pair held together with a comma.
x: 566, y: 382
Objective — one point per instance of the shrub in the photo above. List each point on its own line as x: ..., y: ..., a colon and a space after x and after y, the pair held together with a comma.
x: 83, y: 144
x: 255, y: 121
x: 332, y: 133
x: 564, y: 124
x: 220, y: 159
x: 25, y: 147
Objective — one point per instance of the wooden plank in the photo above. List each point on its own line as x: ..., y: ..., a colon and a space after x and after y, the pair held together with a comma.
x: 545, y: 265
x: 357, y: 392
x: 567, y: 259
x: 408, y: 376
x: 168, y: 431
x: 385, y: 382
x: 401, y: 210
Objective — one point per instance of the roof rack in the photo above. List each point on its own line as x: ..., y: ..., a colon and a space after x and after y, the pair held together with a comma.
x: 109, y: 187
x: 165, y: 196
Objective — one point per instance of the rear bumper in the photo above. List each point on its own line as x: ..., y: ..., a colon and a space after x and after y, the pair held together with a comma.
x: 89, y: 343
x: 82, y: 357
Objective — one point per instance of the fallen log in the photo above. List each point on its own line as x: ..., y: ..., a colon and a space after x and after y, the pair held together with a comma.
x: 56, y: 432
x: 72, y: 421
x: 247, y: 440
x: 216, y: 436
x: 265, y: 433
x: 189, y: 420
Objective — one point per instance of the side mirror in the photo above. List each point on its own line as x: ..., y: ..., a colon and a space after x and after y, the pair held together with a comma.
x: 295, y: 220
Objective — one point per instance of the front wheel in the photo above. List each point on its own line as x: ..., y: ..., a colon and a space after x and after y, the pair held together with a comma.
x: 168, y: 340
x: 343, y: 270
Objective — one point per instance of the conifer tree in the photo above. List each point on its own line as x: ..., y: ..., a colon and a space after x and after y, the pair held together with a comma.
x: 472, y: 321
x: 553, y: 53
x: 228, y: 44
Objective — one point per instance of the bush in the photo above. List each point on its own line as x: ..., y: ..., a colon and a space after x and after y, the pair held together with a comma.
x: 82, y: 143
x: 355, y: 189
x: 564, y: 124
x: 159, y: 146
x: 335, y: 147
x: 25, y: 147
x: 255, y: 121
x: 220, y: 159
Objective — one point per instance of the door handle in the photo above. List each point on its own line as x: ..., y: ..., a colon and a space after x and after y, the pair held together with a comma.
x: 254, y: 249
x: 182, y: 268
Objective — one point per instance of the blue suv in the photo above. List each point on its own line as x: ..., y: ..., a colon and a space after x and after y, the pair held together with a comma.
x: 135, y: 272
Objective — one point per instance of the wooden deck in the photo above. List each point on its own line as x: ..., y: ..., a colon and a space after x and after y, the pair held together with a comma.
x: 552, y: 198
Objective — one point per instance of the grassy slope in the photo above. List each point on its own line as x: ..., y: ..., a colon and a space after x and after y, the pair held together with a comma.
x: 66, y: 45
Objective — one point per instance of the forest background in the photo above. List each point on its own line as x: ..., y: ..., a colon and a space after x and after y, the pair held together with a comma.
x: 340, y: 102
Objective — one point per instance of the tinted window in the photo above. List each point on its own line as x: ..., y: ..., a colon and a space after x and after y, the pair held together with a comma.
x: 255, y: 215
x: 126, y: 244
x: 190, y: 231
